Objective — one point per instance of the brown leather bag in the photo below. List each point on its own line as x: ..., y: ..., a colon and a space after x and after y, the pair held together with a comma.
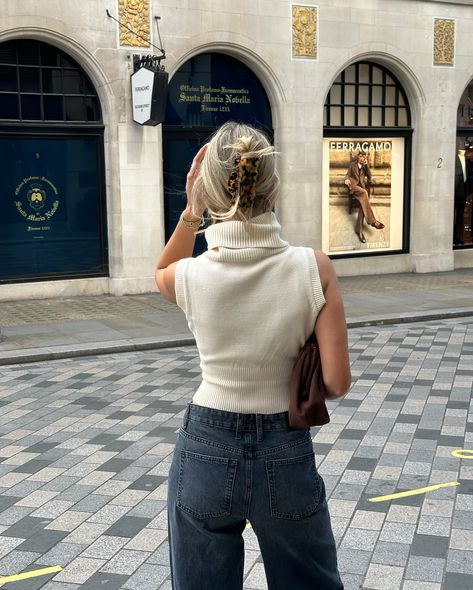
x: 307, y: 393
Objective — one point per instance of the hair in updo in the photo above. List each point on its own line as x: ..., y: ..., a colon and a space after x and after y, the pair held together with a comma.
x: 230, y: 143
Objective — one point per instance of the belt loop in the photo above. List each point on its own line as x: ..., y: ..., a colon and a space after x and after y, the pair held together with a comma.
x: 237, y: 431
x: 185, y: 420
x: 259, y: 427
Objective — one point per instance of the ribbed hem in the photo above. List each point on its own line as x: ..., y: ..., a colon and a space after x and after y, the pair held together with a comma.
x: 179, y: 283
x: 246, y: 390
x: 317, y: 291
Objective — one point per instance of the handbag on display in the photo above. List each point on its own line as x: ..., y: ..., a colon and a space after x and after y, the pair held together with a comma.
x: 307, y: 391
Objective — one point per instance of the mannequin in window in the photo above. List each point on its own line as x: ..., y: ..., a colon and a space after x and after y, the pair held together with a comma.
x: 460, y: 194
x: 359, y: 180
x: 466, y: 235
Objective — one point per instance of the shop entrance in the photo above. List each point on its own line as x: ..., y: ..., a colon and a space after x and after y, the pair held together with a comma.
x: 205, y: 92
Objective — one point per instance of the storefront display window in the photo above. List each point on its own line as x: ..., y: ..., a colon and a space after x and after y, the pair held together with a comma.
x: 52, y: 204
x: 366, y: 163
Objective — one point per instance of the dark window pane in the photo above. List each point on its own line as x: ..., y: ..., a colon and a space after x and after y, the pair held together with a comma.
x: 31, y: 107
x: 50, y: 56
x: 68, y: 62
x: 8, y: 52
x: 53, y: 108
x: 9, y: 106
x: 29, y: 80
x: 8, y: 78
x: 28, y: 52
x: 75, y: 109
x: 52, y: 80
x: 87, y: 87
x: 93, y: 109
x: 72, y: 82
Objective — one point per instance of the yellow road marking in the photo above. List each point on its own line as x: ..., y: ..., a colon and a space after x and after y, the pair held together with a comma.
x: 248, y: 525
x: 414, y: 492
x: 32, y: 574
x: 463, y: 454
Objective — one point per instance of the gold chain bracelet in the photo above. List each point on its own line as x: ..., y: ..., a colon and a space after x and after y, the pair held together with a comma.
x: 191, y: 224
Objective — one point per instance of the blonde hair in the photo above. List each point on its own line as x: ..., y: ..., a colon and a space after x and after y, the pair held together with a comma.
x: 231, y: 141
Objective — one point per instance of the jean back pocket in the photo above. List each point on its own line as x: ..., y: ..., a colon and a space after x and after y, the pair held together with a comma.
x: 206, y: 485
x: 294, y: 487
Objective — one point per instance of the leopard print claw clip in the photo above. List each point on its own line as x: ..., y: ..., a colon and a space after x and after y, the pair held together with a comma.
x: 242, y: 181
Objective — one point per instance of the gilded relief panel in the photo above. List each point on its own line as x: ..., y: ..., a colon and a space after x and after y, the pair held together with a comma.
x: 304, y: 31
x: 444, y: 41
x: 134, y: 14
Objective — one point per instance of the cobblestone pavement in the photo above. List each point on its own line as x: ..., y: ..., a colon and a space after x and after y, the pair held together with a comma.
x: 86, y: 444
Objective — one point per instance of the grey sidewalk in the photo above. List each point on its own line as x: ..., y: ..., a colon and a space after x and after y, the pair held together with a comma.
x: 35, y: 330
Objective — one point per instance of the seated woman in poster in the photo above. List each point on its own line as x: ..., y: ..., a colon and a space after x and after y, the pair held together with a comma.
x: 358, y: 179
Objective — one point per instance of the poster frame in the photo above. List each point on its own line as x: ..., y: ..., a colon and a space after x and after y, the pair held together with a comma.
x: 366, y: 134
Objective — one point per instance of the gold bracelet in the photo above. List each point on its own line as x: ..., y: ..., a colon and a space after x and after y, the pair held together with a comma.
x: 191, y: 224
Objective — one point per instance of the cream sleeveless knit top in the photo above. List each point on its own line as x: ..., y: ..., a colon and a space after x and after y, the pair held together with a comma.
x: 251, y: 301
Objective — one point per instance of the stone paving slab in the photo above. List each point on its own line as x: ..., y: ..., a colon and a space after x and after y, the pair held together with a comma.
x: 86, y: 445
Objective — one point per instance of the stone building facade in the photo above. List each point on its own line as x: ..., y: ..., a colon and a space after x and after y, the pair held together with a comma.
x: 89, y: 195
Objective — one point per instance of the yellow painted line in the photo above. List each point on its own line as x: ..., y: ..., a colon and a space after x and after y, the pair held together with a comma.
x: 248, y: 525
x: 32, y: 574
x: 413, y: 492
x: 463, y: 454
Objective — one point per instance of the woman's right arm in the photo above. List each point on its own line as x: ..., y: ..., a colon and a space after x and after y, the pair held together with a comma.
x: 331, y: 332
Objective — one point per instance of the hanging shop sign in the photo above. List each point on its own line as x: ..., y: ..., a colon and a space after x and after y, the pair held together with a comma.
x: 363, y: 195
x: 148, y: 95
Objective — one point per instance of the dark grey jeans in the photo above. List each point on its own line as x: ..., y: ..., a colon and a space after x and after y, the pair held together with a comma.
x: 230, y: 467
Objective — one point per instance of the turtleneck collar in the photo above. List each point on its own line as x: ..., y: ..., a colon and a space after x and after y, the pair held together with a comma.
x: 237, y: 240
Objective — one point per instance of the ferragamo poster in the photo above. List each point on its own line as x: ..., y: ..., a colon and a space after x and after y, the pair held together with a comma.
x: 363, y: 195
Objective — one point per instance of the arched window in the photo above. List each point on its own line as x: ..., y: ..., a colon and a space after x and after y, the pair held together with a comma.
x: 367, y: 147
x: 53, y: 203
x: 366, y: 95
x: 41, y: 83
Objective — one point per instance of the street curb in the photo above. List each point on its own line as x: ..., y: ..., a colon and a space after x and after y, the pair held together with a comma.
x: 35, y: 355
x: 411, y: 317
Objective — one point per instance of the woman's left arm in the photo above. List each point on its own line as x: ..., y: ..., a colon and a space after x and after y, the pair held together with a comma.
x: 181, y: 243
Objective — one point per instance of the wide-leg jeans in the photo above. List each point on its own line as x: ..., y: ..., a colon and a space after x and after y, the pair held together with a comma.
x: 231, y: 468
